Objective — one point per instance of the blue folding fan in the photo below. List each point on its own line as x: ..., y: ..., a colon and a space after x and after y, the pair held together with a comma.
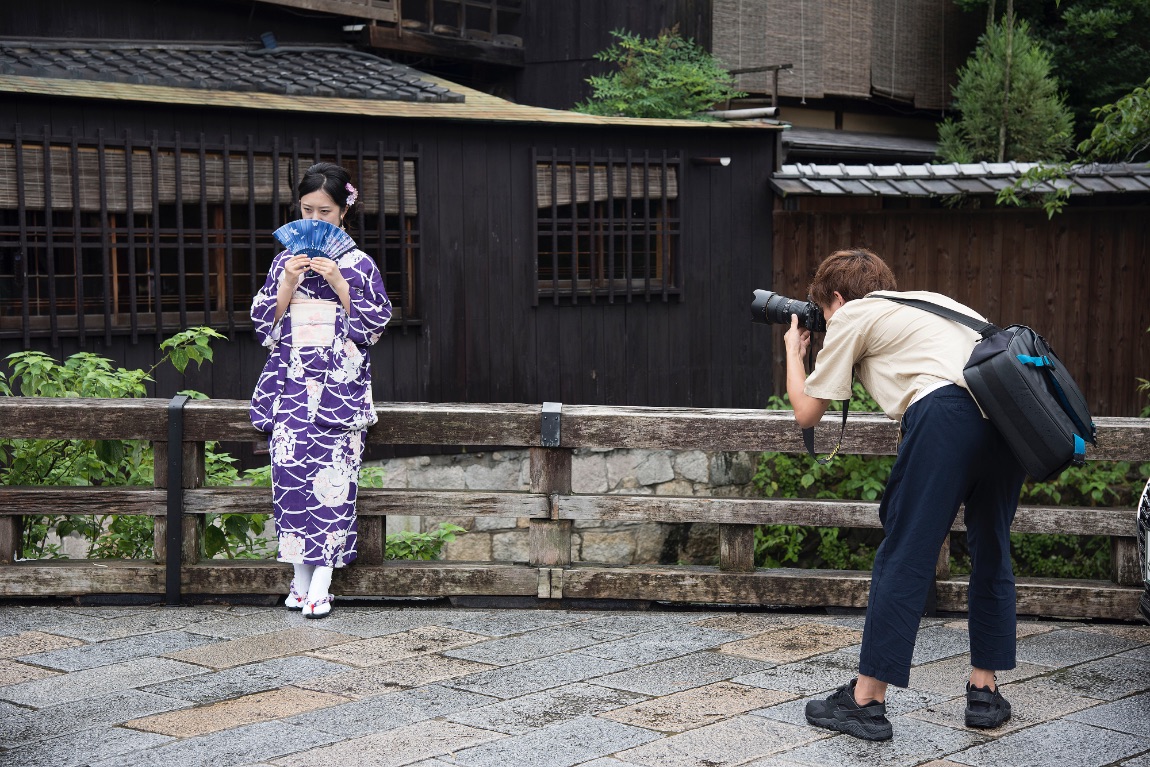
x: 314, y: 238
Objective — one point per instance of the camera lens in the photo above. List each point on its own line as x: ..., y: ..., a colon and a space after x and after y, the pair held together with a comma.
x: 774, y: 308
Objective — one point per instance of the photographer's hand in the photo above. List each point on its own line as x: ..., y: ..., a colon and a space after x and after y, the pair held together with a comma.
x: 808, y: 410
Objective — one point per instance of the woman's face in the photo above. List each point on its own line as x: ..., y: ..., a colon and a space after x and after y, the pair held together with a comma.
x: 320, y: 205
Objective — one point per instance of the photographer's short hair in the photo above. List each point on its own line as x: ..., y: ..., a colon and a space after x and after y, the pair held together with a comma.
x: 853, y: 273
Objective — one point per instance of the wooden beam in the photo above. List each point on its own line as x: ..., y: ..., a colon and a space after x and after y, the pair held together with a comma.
x: 379, y: 10
x: 1052, y: 597
x: 375, y: 502
x: 441, y: 46
x: 77, y: 418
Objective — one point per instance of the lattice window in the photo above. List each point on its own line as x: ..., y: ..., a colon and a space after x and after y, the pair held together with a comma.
x: 607, y: 227
x: 113, y: 236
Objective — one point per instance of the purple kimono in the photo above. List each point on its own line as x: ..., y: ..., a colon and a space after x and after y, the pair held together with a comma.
x: 316, y: 403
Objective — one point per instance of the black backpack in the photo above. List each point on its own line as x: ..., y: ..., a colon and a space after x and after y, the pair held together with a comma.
x: 1025, y: 391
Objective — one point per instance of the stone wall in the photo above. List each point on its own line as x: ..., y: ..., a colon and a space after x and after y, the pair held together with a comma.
x: 594, y: 471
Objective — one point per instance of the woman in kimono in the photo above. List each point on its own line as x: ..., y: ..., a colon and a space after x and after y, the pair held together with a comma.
x: 314, y: 395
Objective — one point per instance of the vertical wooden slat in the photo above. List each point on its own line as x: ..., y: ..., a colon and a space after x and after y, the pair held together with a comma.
x: 275, y: 182
x: 25, y: 255
x: 737, y: 548
x: 77, y: 247
x: 610, y: 227
x: 535, y: 214
x: 229, y: 260
x: 50, y: 239
x: 205, y: 277
x: 574, y: 232
x: 555, y: 225
x: 647, y: 233
x: 253, y: 286
x: 195, y: 473
x: 105, y: 236
x: 157, y: 266
x: 181, y: 252
x: 627, y: 227
x: 130, y: 215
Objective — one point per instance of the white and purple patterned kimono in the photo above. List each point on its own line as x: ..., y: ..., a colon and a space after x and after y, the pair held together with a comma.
x: 316, y: 403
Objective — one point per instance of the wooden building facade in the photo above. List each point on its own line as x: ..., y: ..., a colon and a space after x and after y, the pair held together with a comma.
x: 531, y: 255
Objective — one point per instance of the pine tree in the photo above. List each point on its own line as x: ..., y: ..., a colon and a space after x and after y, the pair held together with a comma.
x: 1008, y: 102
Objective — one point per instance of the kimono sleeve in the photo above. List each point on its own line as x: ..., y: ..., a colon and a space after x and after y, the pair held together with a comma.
x: 370, y: 307
x: 264, y: 304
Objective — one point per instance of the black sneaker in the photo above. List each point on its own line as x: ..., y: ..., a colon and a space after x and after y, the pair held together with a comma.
x: 840, y: 712
x: 985, y: 708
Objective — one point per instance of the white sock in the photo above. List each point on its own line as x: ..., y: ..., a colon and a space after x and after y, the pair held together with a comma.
x: 320, y: 583
x: 303, y: 575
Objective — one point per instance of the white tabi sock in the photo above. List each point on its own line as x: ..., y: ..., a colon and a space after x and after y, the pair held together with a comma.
x: 301, y: 582
x: 320, y: 583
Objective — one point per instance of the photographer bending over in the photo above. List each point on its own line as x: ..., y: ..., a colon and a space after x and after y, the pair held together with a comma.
x: 911, y: 362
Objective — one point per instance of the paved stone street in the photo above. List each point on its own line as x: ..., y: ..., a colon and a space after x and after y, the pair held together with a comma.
x: 437, y: 686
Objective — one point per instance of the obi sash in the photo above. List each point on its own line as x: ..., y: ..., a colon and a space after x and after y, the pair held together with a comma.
x: 312, y: 322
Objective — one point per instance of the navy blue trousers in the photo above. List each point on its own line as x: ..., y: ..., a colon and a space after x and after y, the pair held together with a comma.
x: 949, y: 455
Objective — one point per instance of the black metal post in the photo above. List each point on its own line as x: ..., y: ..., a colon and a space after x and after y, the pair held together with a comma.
x: 175, y: 518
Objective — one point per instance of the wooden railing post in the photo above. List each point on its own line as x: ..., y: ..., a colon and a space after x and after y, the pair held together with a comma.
x: 1125, y: 567
x: 195, y: 474
x: 11, y: 532
x: 549, y: 540
x: 737, y: 548
x: 370, y: 542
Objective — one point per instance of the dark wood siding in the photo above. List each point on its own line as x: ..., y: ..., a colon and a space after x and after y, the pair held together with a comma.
x: 480, y: 338
x: 1080, y: 278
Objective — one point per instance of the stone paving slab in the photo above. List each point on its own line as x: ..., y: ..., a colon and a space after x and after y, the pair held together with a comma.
x: 244, y: 680
x: 793, y: 643
x: 276, y: 644
x: 80, y: 747
x: 259, y: 707
x: 1055, y: 744
x: 560, y: 745
x: 32, y: 642
x: 408, y: 672
x: 24, y: 726
x: 653, y: 646
x: 94, y: 682
x: 254, y: 743
x: 697, y: 707
x: 392, y: 748
x: 13, y: 673
x: 424, y: 640
x: 429, y: 687
x: 117, y: 650
x: 517, y: 716
x: 682, y: 673
x: 392, y: 710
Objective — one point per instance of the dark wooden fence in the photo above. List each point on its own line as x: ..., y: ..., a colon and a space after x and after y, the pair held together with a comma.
x: 550, y: 506
x: 1080, y: 278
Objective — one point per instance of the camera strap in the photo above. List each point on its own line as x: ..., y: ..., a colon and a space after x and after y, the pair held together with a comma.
x: 809, y: 438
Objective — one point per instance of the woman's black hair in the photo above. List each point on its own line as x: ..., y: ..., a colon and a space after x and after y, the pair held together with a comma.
x: 329, y: 177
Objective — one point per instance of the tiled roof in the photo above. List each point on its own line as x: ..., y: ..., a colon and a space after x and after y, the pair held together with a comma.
x: 950, y: 179
x: 290, y: 71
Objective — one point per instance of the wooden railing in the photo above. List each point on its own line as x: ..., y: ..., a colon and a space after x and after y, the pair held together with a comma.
x: 550, y: 505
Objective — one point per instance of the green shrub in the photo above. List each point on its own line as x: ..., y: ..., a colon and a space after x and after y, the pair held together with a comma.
x: 857, y: 477
x: 421, y: 546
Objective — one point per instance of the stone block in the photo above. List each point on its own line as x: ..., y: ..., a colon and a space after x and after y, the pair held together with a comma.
x: 621, y: 465
x: 1055, y: 743
x: 1128, y: 715
x: 14, y: 672
x: 244, y: 680
x: 406, y: 644
x: 655, y: 468
x: 530, y: 645
x: 118, y: 650
x: 649, y: 542
x: 498, y: 623
x: 263, y: 647
x: 407, y: 672
x: 387, y: 712
x: 400, y: 523
x: 589, y: 473
x: 510, y: 547
x: 1031, y: 703
x: 262, y: 742
x: 22, y: 726
x: 488, y: 524
x: 496, y: 476
x: 1104, y: 679
x: 693, y: 466
x: 732, y: 468
x: 397, y: 475
x: 608, y: 547
x: 730, y: 742
x: 655, y: 646
x: 473, y: 547
x: 437, y: 478
x: 794, y: 643
x: 675, y: 487
x: 1069, y: 647
x: 81, y: 747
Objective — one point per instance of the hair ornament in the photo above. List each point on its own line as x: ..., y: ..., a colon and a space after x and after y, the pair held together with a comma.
x: 352, y: 194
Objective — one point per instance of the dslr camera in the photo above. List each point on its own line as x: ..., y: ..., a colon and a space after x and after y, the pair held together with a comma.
x: 776, y: 309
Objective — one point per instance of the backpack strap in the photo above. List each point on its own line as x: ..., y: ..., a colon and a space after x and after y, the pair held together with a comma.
x: 984, y: 329
x: 809, y: 438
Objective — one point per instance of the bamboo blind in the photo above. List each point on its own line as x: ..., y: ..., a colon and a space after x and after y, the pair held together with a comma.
x: 240, y: 179
x: 650, y: 184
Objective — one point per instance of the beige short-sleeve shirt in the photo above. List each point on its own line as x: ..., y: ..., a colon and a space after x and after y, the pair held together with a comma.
x: 896, y: 351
